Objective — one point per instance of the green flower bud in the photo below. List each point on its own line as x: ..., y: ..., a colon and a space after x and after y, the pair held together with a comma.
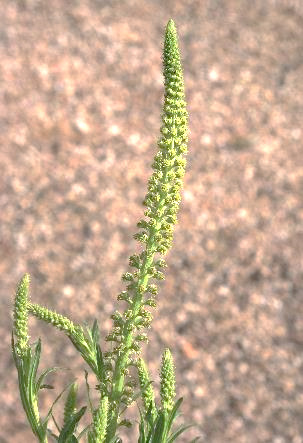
x: 158, y: 275
x: 118, y: 319
x: 142, y: 237
x: 112, y: 337
x: 151, y: 302
x: 134, y: 260
x: 152, y: 289
x: 124, y: 296
x: 141, y: 337
x: 127, y: 276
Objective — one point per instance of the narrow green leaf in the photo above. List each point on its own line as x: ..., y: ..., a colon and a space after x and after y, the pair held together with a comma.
x: 50, y: 411
x: 100, y: 364
x: 178, y: 432
x: 83, y: 432
x: 56, y: 424
x: 88, y: 393
x: 70, y: 403
x: 174, y: 413
x: 70, y: 426
x: 43, y: 375
x: 34, y: 364
x: 160, y: 429
x: 95, y: 332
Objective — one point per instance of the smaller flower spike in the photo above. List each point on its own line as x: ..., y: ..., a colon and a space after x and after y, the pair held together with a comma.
x: 168, y: 382
x: 148, y: 395
x: 21, y: 316
x: 70, y: 403
x: 57, y: 320
x: 100, y: 421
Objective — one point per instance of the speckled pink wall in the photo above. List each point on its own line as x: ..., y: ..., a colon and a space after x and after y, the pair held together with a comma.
x: 81, y: 93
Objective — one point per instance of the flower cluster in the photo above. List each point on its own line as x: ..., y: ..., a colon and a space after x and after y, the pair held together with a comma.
x: 163, y: 197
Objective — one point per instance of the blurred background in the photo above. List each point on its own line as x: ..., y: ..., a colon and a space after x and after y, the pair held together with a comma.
x: 81, y: 96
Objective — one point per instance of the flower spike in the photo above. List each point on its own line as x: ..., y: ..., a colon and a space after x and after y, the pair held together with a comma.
x: 168, y: 382
x: 59, y: 321
x: 156, y: 234
x: 21, y: 316
x: 148, y: 395
x: 100, y: 422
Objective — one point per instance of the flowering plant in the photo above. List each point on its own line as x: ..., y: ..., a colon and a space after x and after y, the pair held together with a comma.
x: 117, y: 387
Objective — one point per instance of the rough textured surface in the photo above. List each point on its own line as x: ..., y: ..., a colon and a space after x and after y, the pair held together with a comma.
x: 81, y: 90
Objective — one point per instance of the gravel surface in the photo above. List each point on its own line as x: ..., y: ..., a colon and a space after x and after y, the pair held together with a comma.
x: 81, y: 93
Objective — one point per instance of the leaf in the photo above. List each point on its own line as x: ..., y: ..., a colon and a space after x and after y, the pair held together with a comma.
x: 45, y: 421
x: 88, y: 393
x: 178, y: 432
x: 56, y: 424
x: 70, y: 402
x: 34, y: 367
x: 95, y: 332
x: 83, y: 432
x: 100, y: 363
x: 149, y: 417
x: 50, y: 432
x: 174, y: 413
x: 160, y: 429
x: 68, y: 429
x: 43, y: 375
x: 27, y: 406
x: 142, y: 438
x: 90, y: 437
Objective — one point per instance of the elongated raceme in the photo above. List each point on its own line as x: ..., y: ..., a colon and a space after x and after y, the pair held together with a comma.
x: 162, y: 203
